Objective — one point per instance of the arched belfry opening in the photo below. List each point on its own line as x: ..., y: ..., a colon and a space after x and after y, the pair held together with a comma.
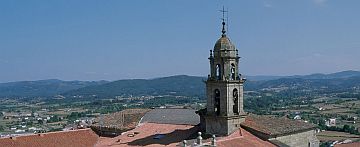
x: 232, y: 72
x: 236, y: 101
x: 217, y: 102
x: 218, y: 72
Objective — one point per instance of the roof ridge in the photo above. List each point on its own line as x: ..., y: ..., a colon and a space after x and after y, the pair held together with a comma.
x: 229, y: 137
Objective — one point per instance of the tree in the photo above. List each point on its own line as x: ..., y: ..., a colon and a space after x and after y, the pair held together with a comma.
x: 321, y: 124
x: 352, y: 130
x: 55, y: 118
x: 346, y: 128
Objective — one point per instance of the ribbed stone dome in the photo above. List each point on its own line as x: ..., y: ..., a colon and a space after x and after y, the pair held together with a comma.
x: 223, y: 43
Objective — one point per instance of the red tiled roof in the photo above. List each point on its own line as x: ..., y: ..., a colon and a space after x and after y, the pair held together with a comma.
x: 73, y: 138
x: 175, y: 134
x: 144, y: 135
x: 242, y: 138
x: 354, y: 144
x: 275, y: 126
x: 125, y: 119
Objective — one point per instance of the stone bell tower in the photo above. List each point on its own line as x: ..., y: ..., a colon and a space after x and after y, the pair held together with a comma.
x: 224, y: 88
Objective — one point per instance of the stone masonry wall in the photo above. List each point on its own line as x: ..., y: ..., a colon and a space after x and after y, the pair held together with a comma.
x: 297, y: 140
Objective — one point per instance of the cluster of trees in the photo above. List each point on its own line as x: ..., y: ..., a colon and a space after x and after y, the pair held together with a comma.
x: 54, y: 118
x: 2, y: 128
x: 55, y: 129
x: 349, y: 95
x: 263, y: 104
x: 345, y: 128
x: 75, y: 115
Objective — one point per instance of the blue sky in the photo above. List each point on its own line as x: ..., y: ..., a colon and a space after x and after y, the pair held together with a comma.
x: 121, y: 39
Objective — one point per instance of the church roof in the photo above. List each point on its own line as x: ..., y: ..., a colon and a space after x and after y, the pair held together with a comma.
x: 172, y: 116
x: 275, y: 126
x: 125, y: 119
x: 152, y: 135
x: 243, y: 138
x: 73, y: 138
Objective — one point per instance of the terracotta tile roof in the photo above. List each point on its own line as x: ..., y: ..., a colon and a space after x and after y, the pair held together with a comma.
x: 172, y: 135
x: 275, y: 125
x: 145, y: 134
x: 126, y: 119
x: 242, y: 138
x: 172, y: 116
x: 73, y: 138
x: 354, y: 144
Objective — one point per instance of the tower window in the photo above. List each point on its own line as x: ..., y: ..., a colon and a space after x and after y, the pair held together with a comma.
x: 217, y: 102
x: 236, y: 101
x: 218, y: 72
x: 232, y: 73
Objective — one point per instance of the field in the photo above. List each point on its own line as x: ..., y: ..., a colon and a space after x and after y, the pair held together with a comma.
x: 327, y: 136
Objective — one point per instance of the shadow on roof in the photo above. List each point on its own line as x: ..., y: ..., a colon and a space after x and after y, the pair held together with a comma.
x: 165, y: 139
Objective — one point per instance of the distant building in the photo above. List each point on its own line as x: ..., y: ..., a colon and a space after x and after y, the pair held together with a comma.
x: 297, y: 117
x: 331, y: 122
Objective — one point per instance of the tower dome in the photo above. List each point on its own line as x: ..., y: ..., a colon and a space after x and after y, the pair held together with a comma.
x: 223, y: 43
x: 223, y: 46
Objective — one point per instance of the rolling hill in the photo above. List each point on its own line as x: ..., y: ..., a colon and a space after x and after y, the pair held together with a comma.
x: 42, y: 88
x: 173, y: 85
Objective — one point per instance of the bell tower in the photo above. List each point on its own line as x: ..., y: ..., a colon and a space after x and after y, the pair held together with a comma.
x: 224, y: 88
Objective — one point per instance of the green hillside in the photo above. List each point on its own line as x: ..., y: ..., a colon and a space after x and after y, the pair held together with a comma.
x: 42, y: 88
x: 174, y: 85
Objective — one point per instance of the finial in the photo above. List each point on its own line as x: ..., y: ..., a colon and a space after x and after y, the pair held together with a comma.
x: 223, y: 21
x: 223, y: 28
x: 184, y: 143
x: 199, y: 139
x: 213, y: 141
